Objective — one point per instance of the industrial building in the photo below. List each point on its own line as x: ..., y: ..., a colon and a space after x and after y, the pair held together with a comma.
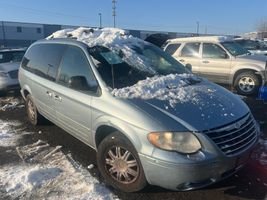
x: 20, y: 34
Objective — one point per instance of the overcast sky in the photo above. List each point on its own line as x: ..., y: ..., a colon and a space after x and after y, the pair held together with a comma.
x: 215, y: 16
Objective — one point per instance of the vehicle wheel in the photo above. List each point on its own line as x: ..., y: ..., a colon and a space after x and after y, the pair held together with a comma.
x: 33, y: 115
x: 247, y: 83
x: 119, y: 163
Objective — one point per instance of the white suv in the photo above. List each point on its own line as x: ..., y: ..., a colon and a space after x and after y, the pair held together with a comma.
x: 221, y: 60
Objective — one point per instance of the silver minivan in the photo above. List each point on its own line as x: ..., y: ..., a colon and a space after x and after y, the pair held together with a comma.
x: 149, y: 119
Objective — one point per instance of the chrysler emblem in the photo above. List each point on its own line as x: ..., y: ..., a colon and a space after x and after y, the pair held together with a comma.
x: 237, y: 125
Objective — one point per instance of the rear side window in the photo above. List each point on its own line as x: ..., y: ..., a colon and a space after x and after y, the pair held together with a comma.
x: 172, y: 48
x: 75, y: 71
x: 43, y: 60
x: 190, y: 50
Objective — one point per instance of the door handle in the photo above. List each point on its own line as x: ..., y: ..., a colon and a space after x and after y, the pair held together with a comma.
x: 58, y: 98
x: 49, y: 93
x: 206, y: 61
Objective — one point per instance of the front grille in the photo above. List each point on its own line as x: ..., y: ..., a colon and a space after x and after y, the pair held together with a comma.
x: 235, y: 137
x: 13, y: 74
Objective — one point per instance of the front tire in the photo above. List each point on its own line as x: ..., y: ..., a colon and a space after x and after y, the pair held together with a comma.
x: 119, y: 163
x: 247, y: 83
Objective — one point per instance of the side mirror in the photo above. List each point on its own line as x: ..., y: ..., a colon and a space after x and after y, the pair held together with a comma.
x: 189, y: 67
x: 224, y: 56
x: 80, y: 83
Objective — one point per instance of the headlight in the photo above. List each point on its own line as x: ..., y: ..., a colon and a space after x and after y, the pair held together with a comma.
x: 183, y: 142
x: 3, y: 74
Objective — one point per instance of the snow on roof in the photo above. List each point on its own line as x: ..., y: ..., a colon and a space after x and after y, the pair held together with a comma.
x: 112, y: 38
x: 216, y: 39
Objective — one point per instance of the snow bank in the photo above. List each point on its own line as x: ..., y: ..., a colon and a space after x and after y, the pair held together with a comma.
x: 45, y: 172
x: 174, y: 88
x: 7, y: 133
x: 8, y: 103
x: 112, y: 38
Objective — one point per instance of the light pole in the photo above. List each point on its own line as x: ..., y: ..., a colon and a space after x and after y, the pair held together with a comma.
x: 114, y: 12
x: 100, y: 20
x: 197, y: 27
x: 4, y: 33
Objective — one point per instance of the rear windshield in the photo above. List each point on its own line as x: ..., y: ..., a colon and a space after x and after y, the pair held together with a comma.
x: 11, y: 56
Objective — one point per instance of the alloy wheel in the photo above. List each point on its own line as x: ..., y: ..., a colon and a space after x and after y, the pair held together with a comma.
x: 121, y: 165
x: 246, y: 84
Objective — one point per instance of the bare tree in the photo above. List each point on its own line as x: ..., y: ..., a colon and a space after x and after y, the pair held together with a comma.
x: 262, y: 27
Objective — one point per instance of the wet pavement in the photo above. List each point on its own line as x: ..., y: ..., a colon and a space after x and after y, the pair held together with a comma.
x: 248, y: 183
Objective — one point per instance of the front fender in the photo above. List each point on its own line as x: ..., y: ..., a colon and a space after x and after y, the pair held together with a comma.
x: 259, y: 70
x: 136, y: 135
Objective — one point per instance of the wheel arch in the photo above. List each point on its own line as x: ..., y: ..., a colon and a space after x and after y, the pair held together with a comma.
x: 240, y: 70
x: 25, y: 91
x: 108, y: 126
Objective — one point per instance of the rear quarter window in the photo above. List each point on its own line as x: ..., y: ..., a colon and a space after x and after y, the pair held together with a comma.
x: 43, y: 60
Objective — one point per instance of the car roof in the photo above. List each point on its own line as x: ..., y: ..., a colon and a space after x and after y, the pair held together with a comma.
x: 60, y: 41
x: 12, y: 49
x: 216, y: 39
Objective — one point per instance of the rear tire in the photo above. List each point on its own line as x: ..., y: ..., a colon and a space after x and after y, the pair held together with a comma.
x: 119, y: 163
x: 247, y: 83
x: 34, y: 116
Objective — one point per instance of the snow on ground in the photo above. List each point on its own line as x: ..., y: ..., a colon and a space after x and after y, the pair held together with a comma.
x: 263, y: 154
x: 8, y: 103
x: 8, y: 135
x: 171, y: 88
x: 45, y: 172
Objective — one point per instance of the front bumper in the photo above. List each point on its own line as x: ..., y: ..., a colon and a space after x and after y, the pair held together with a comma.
x: 183, y: 177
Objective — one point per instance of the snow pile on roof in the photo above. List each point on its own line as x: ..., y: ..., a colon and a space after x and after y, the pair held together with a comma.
x: 112, y: 38
x: 174, y: 88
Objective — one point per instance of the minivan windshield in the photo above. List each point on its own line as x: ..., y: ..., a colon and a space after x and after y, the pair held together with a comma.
x: 127, y: 68
x: 235, y: 49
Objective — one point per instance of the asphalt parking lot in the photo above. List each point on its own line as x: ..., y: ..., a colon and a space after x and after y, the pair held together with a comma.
x: 248, y: 183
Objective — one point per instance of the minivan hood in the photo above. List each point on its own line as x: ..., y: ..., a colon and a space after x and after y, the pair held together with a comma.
x: 6, y: 67
x: 211, y: 111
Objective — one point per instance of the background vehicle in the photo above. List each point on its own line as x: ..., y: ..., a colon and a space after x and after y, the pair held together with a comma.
x: 253, y: 46
x: 147, y: 116
x: 9, y: 65
x: 220, y: 60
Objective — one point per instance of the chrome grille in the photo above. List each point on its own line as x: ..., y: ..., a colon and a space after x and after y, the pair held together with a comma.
x: 13, y: 74
x: 235, y: 137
